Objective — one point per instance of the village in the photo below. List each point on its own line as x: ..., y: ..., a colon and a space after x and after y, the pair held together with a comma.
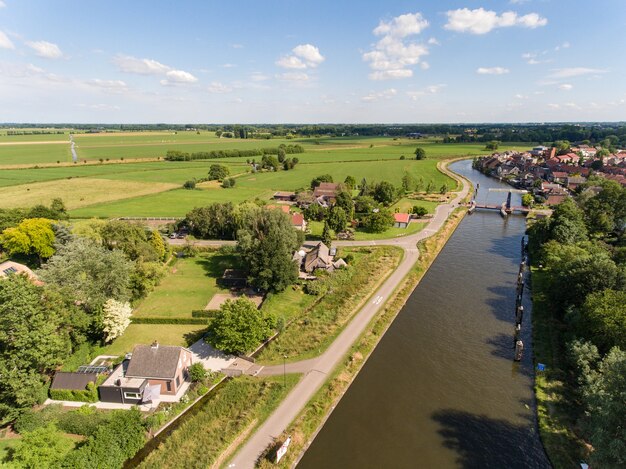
x: 551, y: 174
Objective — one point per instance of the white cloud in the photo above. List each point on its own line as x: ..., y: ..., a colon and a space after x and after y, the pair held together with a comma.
x: 559, y: 73
x: 433, y: 41
x: 45, y: 49
x: 518, y: 2
x: 554, y: 106
x: 290, y: 61
x: 217, y: 87
x: 115, y: 86
x: 237, y: 46
x: 520, y: 96
x: 304, y: 56
x: 566, y: 87
x: 2, y: 4
x: 129, y: 64
x: 424, y: 65
x: 375, y: 96
x: 100, y: 107
x: 293, y: 76
x: 432, y: 89
x: 481, y: 21
x: 392, y: 57
x: 174, y: 77
x: 492, y: 70
x: 5, y: 42
x: 564, y: 45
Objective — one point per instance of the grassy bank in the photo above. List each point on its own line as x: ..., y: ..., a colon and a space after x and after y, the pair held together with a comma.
x: 556, y: 418
x: 238, y: 406
x: 315, y: 331
x: 303, y: 429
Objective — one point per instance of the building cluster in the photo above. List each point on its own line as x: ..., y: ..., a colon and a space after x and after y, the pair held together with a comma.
x: 553, y: 175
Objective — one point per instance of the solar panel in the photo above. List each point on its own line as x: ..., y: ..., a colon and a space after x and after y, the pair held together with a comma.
x: 92, y: 369
x: 10, y: 270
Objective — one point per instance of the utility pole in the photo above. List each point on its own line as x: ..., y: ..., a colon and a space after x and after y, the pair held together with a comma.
x: 284, y: 371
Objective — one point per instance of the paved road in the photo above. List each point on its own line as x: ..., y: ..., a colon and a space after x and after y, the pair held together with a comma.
x: 317, y: 369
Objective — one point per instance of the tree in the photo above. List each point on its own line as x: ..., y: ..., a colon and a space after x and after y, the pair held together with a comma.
x: 419, y: 211
x: 197, y: 372
x: 267, y: 244
x: 365, y: 189
x: 419, y: 153
x: 115, y: 319
x: 270, y: 162
x: 443, y: 189
x: 238, y: 327
x: 33, y: 236
x: 215, y: 221
x: 316, y: 181
x: 58, y: 205
x: 378, y: 222
x: 217, y: 172
x: 326, y: 237
x: 344, y: 200
x: 228, y: 183
x: 281, y: 155
x: 603, y: 396
x: 145, y: 277
x: 493, y: 145
x: 190, y: 184
x: 603, y: 319
x: 33, y: 340
x: 157, y: 243
x: 350, y: 183
x: 528, y: 200
x: 430, y: 188
x: 43, y: 447
x: 89, y: 273
x: 129, y: 238
x: 337, y: 219
x: 408, y: 182
x: 364, y: 204
x: 384, y: 192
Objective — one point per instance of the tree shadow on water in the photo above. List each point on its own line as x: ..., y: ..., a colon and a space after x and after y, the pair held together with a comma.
x: 507, y: 246
x: 484, y: 442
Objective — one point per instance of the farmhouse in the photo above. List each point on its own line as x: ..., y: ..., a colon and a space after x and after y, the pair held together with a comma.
x: 152, y: 371
x: 298, y: 221
x: 284, y: 196
x: 319, y: 257
x: 401, y: 220
x: 326, y: 193
x: 283, y: 208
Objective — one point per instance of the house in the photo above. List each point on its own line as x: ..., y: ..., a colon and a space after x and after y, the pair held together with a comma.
x: 284, y: 208
x: 152, y: 371
x: 573, y: 182
x: 327, y: 191
x: 298, y: 221
x: 10, y: 268
x: 72, y: 381
x: 559, y: 176
x: 555, y: 199
x: 401, y: 220
x: 284, y: 196
x: 318, y: 257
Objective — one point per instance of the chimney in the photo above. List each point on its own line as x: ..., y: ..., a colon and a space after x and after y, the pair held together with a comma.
x: 155, y: 345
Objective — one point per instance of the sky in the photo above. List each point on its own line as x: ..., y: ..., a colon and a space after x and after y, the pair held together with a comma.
x: 287, y: 61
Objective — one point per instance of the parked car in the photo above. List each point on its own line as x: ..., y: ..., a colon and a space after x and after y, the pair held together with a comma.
x: 181, y: 236
x: 173, y: 235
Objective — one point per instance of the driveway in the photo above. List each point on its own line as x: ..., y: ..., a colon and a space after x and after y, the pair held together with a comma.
x: 210, y: 358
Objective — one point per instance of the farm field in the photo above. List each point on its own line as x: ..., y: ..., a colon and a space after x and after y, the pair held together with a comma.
x: 189, y: 285
x: 33, y: 153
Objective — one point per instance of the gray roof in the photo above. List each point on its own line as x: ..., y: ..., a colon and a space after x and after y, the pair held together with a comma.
x: 317, y: 258
x: 72, y: 381
x: 154, y: 361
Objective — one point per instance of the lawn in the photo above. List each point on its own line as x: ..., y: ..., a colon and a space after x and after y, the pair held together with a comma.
x: 6, y: 445
x: 35, y: 153
x: 316, y: 228
x: 170, y: 334
x: 405, y: 204
x: 287, y: 304
x: 76, y: 192
x: 189, y: 285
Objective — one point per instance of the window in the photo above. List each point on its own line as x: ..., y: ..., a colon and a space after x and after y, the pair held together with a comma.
x: 169, y: 385
x: 132, y: 395
x: 177, y: 381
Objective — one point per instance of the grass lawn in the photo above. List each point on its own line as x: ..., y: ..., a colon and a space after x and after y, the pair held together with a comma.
x: 36, y: 153
x: 288, y: 304
x: 413, y: 228
x: 76, y: 192
x: 405, y: 204
x: 165, y: 334
x: 6, y: 444
x: 226, y: 418
x: 189, y: 285
x: 314, y: 331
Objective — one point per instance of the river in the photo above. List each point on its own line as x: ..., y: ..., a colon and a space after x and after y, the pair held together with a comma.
x: 441, y: 390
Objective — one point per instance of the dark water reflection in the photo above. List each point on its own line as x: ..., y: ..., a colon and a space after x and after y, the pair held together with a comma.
x: 441, y: 389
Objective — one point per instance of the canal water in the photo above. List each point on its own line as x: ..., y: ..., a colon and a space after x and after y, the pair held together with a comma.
x: 441, y: 390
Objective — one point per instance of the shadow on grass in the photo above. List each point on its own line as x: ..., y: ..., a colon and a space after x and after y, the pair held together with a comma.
x: 483, y: 442
x: 194, y: 336
x: 215, y: 265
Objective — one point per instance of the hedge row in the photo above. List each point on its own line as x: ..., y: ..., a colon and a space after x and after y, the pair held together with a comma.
x: 88, y: 395
x: 192, y: 320
x: 175, y: 155
x: 204, y: 313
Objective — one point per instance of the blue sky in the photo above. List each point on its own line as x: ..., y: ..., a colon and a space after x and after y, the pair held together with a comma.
x: 307, y: 62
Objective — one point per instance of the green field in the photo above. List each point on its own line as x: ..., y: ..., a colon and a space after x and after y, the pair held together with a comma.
x: 189, y: 285
x: 35, y: 153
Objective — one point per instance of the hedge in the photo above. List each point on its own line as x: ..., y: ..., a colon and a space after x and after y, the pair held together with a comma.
x: 88, y: 395
x: 175, y: 155
x: 192, y: 320
x: 204, y: 313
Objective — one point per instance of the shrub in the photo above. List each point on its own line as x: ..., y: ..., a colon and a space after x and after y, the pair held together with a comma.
x: 197, y: 372
x: 83, y: 421
x: 420, y: 211
x: 88, y: 395
x: 32, y: 419
x: 192, y: 320
x: 191, y: 184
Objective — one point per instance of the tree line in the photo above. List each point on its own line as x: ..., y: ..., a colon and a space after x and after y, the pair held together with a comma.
x: 581, y: 249
x: 175, y: 155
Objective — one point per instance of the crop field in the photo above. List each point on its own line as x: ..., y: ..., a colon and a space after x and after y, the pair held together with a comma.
x: 44, y: 152
x: 76, y: 192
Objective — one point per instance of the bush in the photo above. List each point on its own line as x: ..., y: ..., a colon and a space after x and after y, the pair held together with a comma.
x: 192, y: 320
x: 420, y: 211
x: 203, y: 313
x: 191, y: 184
x: 88, y: 395
x: 83, y: 421
x: 197, y: 372
x: 32, y: 419
x: 315, y: 287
